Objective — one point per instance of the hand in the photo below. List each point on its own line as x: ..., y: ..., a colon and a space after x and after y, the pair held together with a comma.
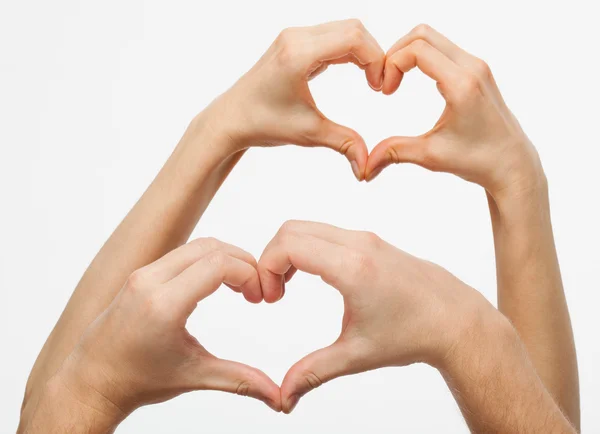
x: 477, y: 137
x: 139, y: 352
x: 398, y: 309
x: 272, y: 104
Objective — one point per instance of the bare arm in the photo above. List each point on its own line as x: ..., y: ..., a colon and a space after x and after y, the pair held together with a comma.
x: 479, y: 139
x: 399, y: 310
x: 495, y: 385
x: 530, y: 291
x: 270, y: 105
x: 138, y: 351
x: 162, y: 219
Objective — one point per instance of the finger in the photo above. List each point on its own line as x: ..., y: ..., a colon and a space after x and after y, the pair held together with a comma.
x: 303, y: 252
x: 338, y: 40
x: 240, y: 379
x: 325, y: 231
x: 461, y: 57
x: 430, y: 61
x: 290, y: 273
x: 343, y: 140
x: 396, y: 150
x: 313, y: 371
x: 203, y: 277
x: 174, y: 262
x: 436, y: 40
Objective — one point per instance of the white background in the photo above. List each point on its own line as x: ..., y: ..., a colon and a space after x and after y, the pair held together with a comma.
x: 94, y: 96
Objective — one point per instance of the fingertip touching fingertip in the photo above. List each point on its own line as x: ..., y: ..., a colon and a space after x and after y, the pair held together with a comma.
x: 292, y: 401
x: 373, y: 174
x: 356, y: 170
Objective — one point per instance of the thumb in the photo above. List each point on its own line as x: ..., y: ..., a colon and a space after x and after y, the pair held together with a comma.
x: 396, y: 150
x: 345, y: 141
x: 244, y: 380
x: 314, y: 370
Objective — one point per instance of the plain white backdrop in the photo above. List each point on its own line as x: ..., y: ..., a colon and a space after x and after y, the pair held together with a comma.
x: 95, y: 95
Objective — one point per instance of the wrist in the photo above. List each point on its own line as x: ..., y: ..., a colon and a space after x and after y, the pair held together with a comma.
x: 479, y: 328
x: 523, y: 179
x: 65, y: 405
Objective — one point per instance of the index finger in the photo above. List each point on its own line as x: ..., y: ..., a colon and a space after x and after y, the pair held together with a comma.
x: 348, y: 40
x: 429, y: 60
x: 300, y: 251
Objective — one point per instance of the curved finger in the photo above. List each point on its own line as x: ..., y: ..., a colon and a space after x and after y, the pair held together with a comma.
x: 436, y: 40
x: 177, y: 260
x: 338, y: 40
x: 244, y: 380
x: 303, y: 252
x: 343, y: 140
x: 429, y: 60
x: 325, y: 231
x: 204, y: 277
x: 396, y: 150
x: 314, y: 370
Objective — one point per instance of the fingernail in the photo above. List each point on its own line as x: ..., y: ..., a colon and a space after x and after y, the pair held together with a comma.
x: 374, y: 174
x: 355, y: 169
x: 381, y: 80
x: 282, y: 287
x: 292, y: 402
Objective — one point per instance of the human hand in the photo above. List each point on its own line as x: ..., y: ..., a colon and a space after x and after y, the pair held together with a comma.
x: 477, y: 137
x: 272, y: 104
x: 139, y: 352
x: 398, y: 309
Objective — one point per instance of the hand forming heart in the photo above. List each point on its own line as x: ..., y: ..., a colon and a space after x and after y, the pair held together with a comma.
x: 476, y: 138
x: 398, y: 310
x: 396, y: 306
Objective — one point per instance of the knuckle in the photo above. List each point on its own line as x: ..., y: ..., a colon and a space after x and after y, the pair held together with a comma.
x: 207, y: 243
x: 370, y: 239
x: 419, y: 45
x: 216, y: 259
x: 286, y: 36
x: 422, y: 30
x: 467, y: 87
x: 243, y: 388
x: 312, y: 380
x: 289, y: 227
x: 392, y: 155
x: 355, y: 37
x: 482, y: 69
x: 346, y: 145
x: 286, y: 44
x: 356, y: 24
x: 136, y: 281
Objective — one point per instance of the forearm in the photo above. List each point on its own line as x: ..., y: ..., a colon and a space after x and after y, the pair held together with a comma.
x: 530, y: 291
x: 495, y: 386
x: 160, y: 221
x: 67, y: 406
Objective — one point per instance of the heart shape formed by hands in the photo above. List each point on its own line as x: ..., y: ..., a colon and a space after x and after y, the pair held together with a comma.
x: 403, y: 316
x: 476, y: 137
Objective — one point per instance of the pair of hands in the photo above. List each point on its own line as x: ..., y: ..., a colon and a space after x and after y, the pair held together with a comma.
x: 476, y: 137
x: 398, y: 309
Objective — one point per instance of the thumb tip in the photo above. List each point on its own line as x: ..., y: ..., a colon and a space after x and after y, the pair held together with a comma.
x: 291, y: 403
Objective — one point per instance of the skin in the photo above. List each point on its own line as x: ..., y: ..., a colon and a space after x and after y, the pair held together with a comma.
x: 479, y: 139
x: 399, y: 310
x: 270, y: 105
x: 138, y: 351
